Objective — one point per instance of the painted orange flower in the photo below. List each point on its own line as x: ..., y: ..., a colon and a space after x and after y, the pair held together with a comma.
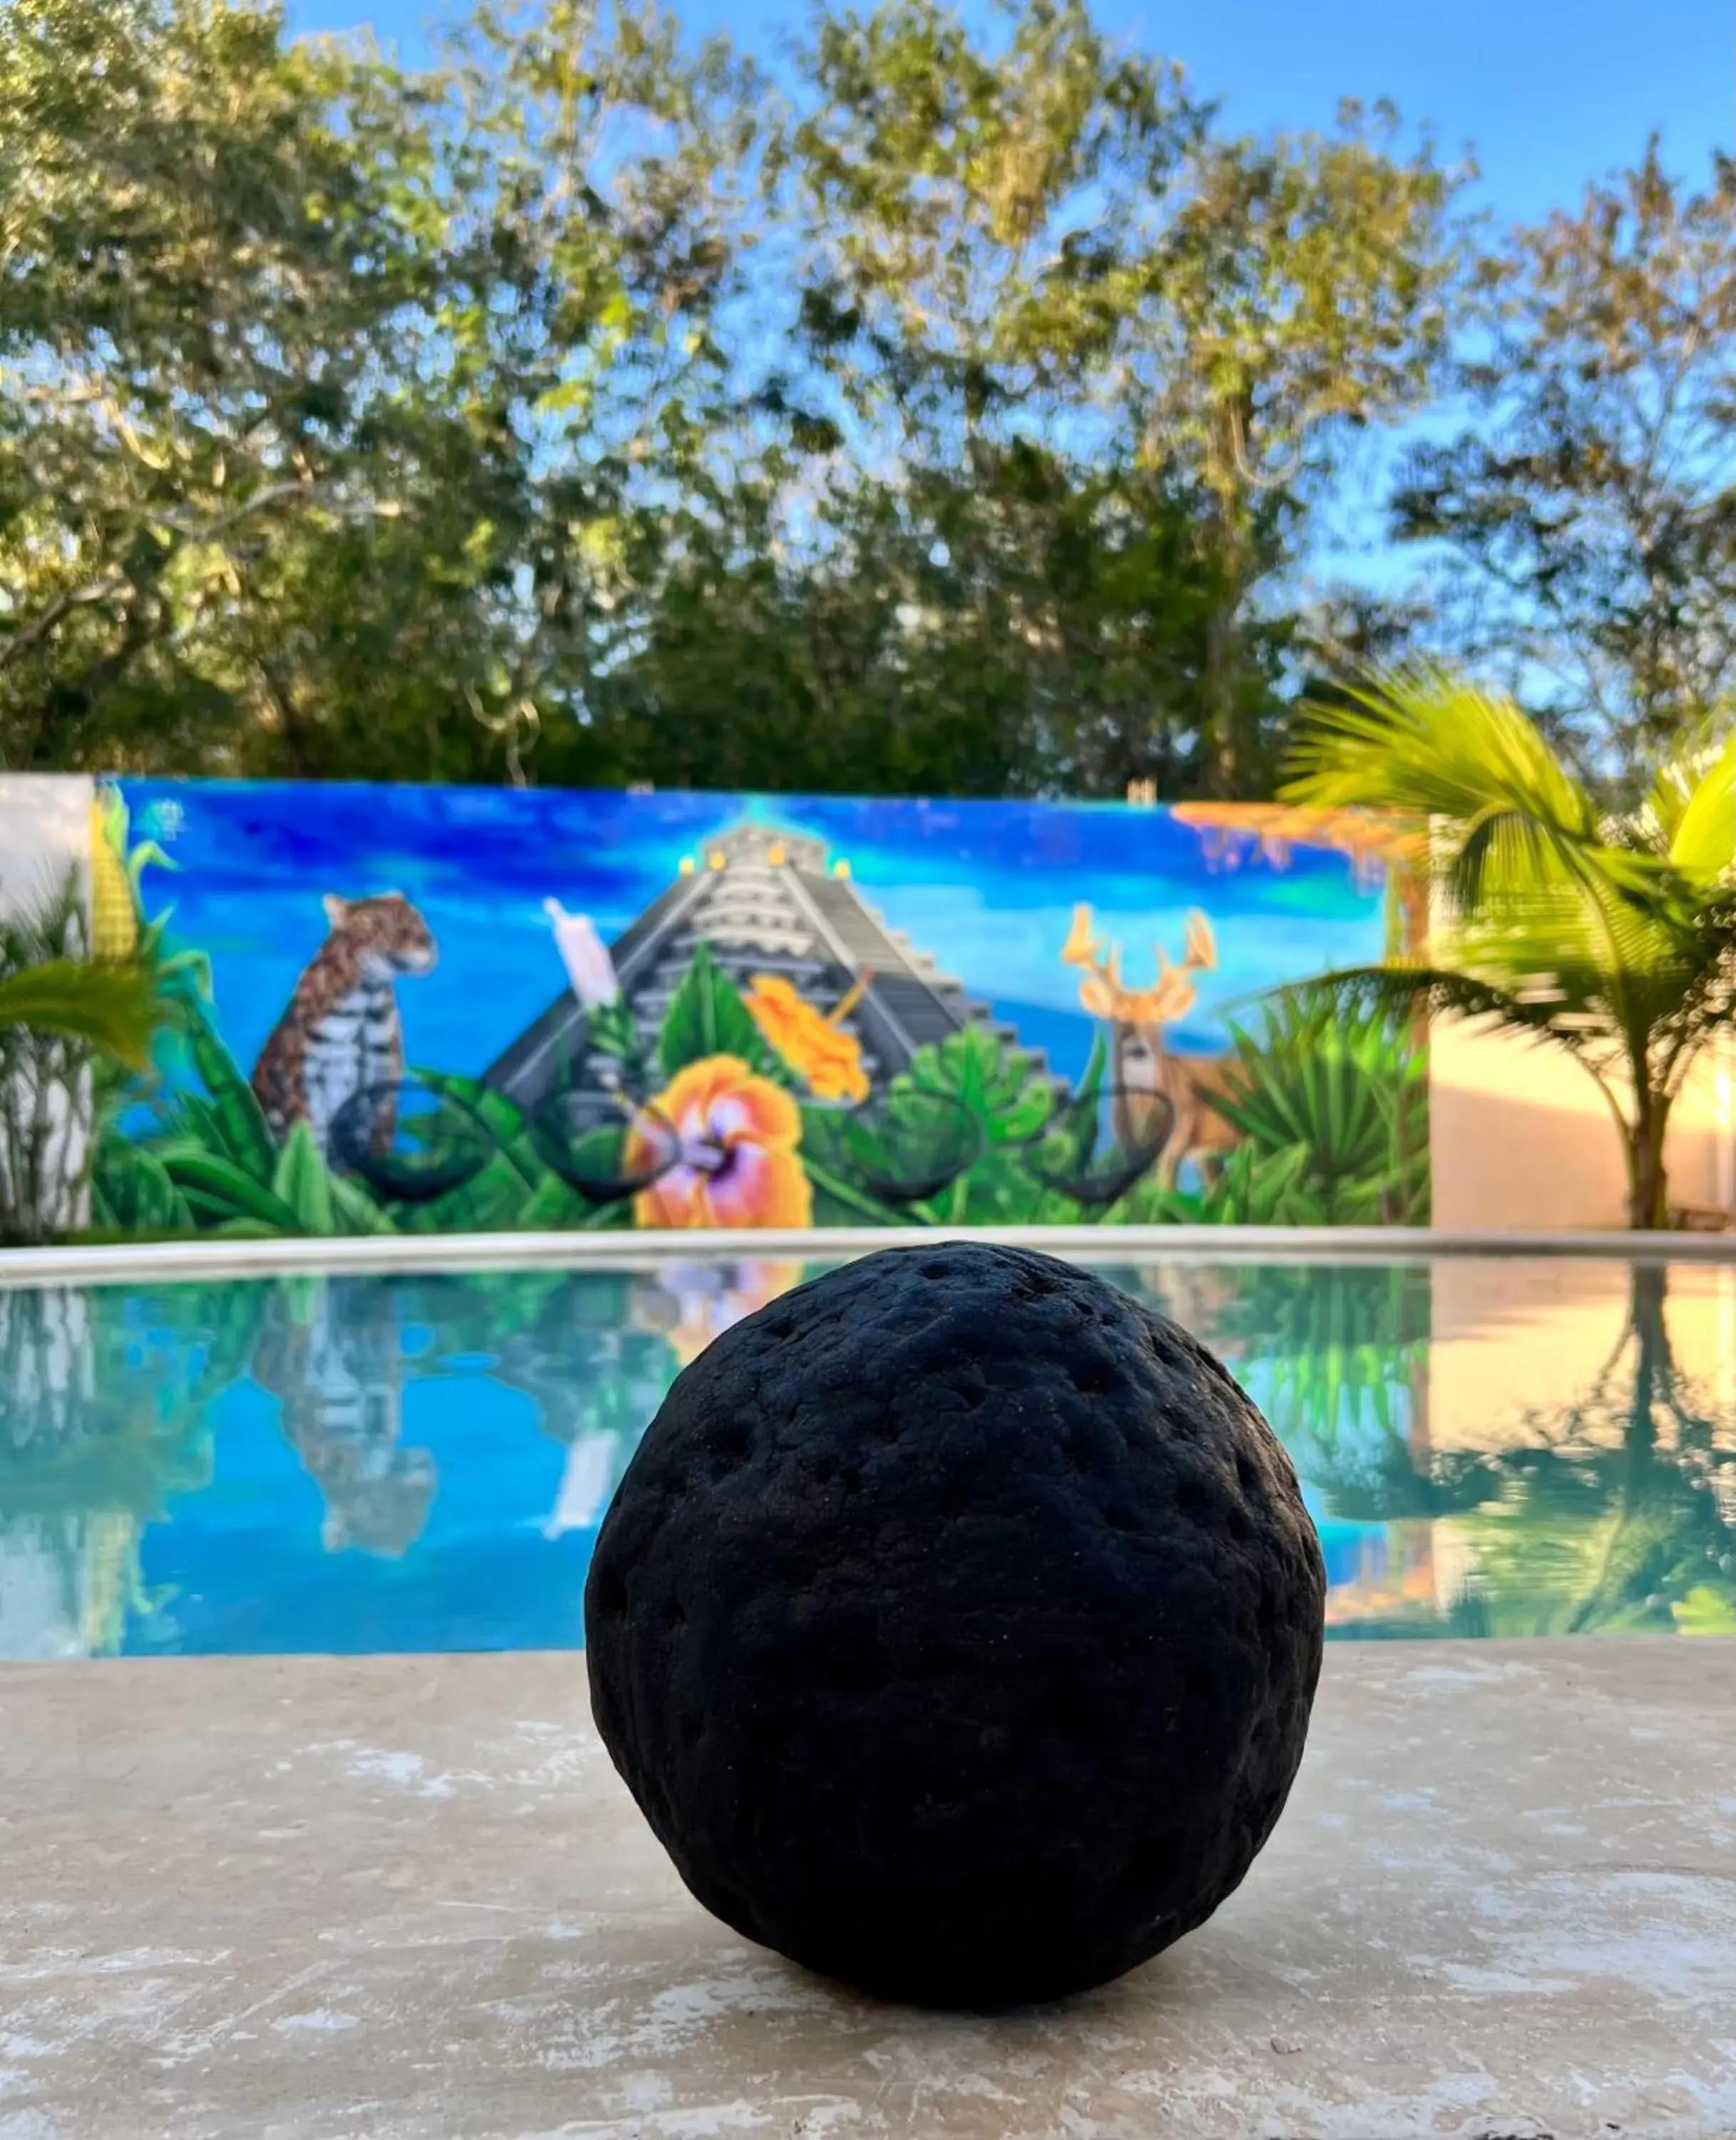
x: 736, y: 1162
x: 812, y: 1042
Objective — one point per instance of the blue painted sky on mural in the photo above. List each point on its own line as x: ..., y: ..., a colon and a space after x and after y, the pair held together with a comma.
x: 987, y: 887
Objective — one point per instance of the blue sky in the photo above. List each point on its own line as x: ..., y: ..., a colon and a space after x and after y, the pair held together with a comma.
x: 1549, y: 91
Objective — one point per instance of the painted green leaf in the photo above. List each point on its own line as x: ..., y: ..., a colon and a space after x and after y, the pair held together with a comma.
x: 134, y: 1194
x: 490, y: 1202
x: 301, y: 1181
x: 708, y: 1017
x: 217, y: 1189
x: 1000, y: 1084
x: 354, y: 1211
x: 503, y: 1118
x: 554, y: 1208
x: 234, y: 1112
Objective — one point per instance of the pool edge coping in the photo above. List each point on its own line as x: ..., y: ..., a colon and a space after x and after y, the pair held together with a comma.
x: 169, y: 1261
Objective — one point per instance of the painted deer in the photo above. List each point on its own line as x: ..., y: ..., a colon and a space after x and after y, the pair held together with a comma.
x: 1159, y: 1096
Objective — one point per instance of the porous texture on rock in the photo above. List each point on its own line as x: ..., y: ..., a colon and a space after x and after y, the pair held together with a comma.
x: 955, y: 1627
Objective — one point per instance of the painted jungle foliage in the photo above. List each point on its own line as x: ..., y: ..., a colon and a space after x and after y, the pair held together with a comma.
x: 413, y: 1010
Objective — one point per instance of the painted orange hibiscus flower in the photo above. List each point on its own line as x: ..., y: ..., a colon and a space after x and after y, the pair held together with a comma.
x: 812, y: 1042
x: 736, y: 1163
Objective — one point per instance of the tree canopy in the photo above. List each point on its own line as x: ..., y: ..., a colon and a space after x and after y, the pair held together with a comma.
x: 952, y: 407
x: 1586, y: 509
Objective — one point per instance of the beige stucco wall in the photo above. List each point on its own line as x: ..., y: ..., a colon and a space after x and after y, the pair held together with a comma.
x: 1519, y: 1136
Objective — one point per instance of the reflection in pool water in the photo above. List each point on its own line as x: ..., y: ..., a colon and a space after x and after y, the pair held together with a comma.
x: 420, y: 1463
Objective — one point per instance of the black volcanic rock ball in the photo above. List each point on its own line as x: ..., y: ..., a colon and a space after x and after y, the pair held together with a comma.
x: 956, y: 1626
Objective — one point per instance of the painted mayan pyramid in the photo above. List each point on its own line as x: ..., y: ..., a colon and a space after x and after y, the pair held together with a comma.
x: 767, y: 901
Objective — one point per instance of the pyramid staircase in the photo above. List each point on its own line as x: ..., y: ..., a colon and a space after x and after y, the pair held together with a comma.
x: 765, y: 902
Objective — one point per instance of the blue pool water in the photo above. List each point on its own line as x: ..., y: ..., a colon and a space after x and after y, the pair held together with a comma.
x: 345, y: 1464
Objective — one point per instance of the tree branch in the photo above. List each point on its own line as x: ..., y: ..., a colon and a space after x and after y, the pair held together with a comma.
x: 28, y: 635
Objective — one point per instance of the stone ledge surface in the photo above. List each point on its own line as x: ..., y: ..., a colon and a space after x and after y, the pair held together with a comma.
x: 406, y: 1898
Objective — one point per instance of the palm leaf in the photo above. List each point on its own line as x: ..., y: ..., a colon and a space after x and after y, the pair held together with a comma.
x: 1702, y: 832
x: 1404, y: 987
x: 1610, y: 938
x: 114, y: 1008
x: 1418, y: 743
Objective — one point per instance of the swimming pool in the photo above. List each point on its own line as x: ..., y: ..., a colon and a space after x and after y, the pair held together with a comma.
x: 345, y: 1464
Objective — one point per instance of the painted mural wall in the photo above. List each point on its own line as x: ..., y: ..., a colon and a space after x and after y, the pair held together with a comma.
x: 414, y: 1009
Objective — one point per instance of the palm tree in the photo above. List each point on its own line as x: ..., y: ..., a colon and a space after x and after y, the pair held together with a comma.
x: 1612, y: 938
x: 111, y: 1007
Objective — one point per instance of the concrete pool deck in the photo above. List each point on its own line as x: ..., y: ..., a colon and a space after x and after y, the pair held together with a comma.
x: 406, y: 1898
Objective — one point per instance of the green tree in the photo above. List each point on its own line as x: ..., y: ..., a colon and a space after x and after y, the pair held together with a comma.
x: 1040, y: 626
x: 977, y: 550
x: 968, y: 213
x: 1023, y: 233
x: 571, y: 410
x: 1302, y: 293
x: 1611, y: 937
x: 1587, y: 513
x: 322, y: 383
